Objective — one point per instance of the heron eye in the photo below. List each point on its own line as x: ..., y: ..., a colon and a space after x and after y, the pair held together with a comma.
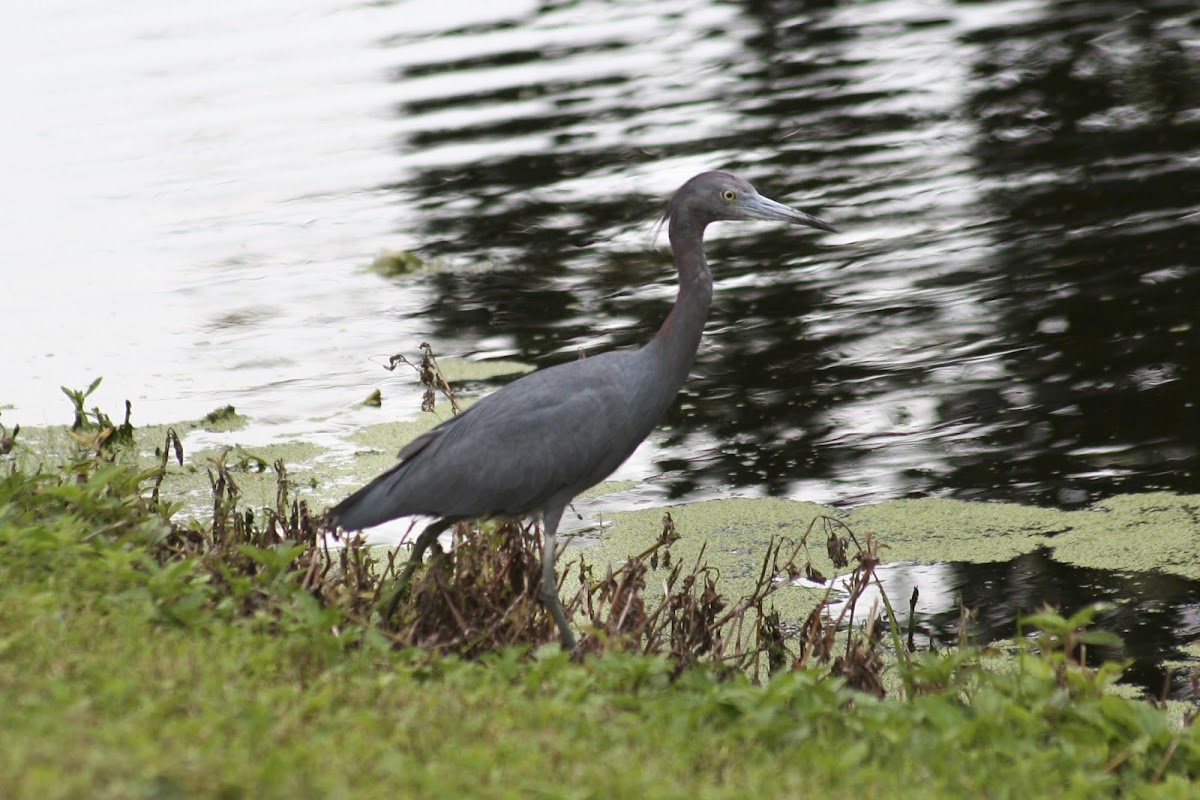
x: 729, y: 195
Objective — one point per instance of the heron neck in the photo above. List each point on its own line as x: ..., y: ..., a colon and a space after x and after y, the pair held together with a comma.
x: 679, y: 337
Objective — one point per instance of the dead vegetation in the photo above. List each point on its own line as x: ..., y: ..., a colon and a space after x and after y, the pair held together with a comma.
x: 481, y: 594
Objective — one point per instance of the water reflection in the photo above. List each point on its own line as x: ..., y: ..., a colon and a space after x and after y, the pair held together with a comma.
x: 1085, y: 133
x: 1012, y: 317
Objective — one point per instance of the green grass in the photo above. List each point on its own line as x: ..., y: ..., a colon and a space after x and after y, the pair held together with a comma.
x: 102, y: 704
x: 131, y: 668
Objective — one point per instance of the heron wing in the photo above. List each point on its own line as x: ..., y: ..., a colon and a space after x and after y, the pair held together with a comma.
x: 544, y: 437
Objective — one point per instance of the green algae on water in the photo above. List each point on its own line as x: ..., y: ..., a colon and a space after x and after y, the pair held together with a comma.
x: 223, y: 419
x: 1135, y: 533
x: 458, y: 370
x: 932, y: 530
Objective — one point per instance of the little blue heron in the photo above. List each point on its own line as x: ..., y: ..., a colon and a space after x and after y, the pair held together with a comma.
x: 532, y: 446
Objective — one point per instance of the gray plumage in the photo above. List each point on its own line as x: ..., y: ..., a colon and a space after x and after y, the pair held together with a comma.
x: 535, y: 444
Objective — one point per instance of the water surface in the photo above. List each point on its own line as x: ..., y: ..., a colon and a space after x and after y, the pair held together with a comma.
x: 195, y: 190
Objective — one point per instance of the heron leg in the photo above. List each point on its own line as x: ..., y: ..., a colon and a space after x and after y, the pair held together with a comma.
x: 427, y: 537
x: 549, y: 581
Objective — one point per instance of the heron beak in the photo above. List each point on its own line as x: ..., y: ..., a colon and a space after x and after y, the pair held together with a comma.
x: 759, y: 207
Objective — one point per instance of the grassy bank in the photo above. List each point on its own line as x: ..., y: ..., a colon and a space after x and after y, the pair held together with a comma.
x: 141, y: 656
x: 97, y: 706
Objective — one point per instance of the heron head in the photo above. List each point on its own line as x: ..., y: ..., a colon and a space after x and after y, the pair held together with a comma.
x: 712, y: 196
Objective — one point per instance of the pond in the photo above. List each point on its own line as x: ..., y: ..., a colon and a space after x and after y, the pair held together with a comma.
x: 196, y: 192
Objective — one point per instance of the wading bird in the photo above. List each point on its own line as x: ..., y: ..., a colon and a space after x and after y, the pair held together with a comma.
x: 533, y: 445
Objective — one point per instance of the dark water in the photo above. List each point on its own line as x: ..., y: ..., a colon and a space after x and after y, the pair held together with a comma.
x: 1011, y: 310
